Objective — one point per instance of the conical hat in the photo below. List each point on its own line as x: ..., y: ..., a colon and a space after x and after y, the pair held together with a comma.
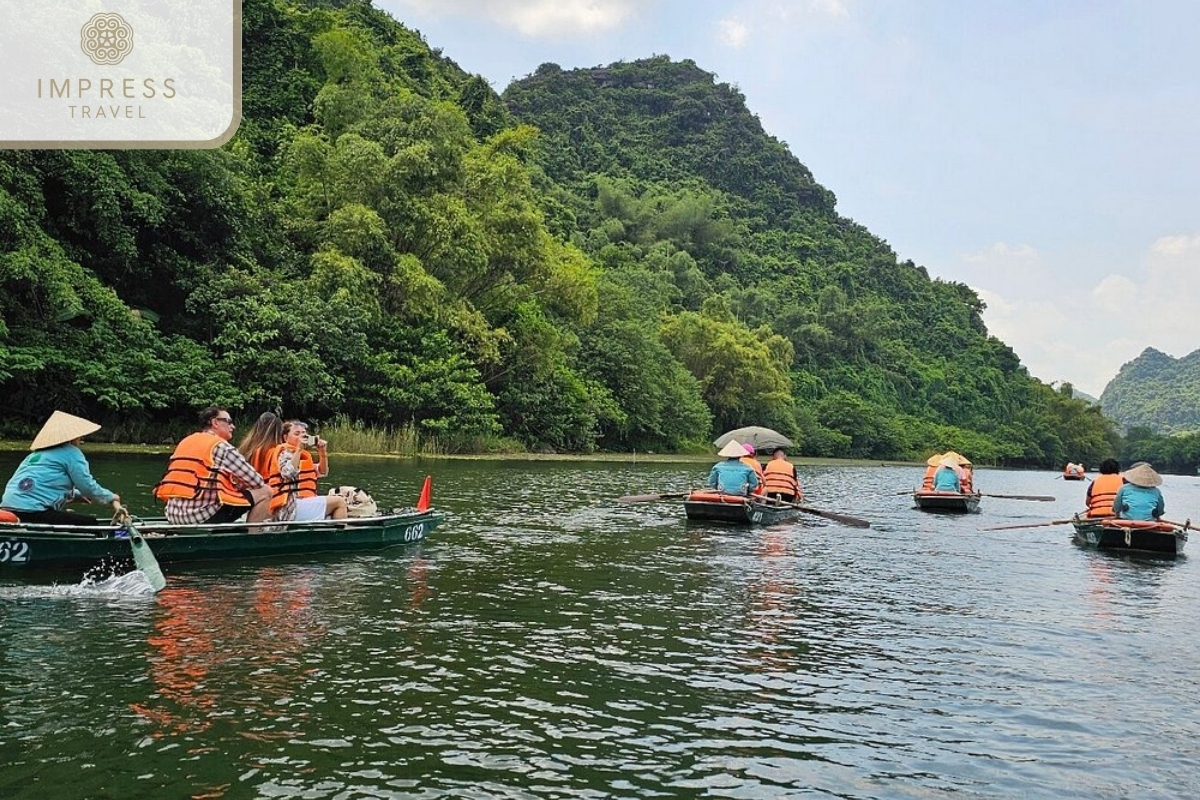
x: 62, y: 427
x: 1142, y: 474
x: 948, y: 461
x: 959, y: 458
x: 934, y: 459
x: 732, y: 450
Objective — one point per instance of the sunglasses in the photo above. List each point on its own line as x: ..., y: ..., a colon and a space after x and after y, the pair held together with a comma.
x: 223, y: 419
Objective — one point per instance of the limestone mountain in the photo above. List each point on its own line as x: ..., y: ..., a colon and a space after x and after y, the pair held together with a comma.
x: 1156, y: 391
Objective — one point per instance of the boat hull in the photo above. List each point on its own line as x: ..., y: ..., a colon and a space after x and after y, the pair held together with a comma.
x: 1129, y: 536
x: 946, y: 502
x: 29, y: 548
x: 736, y: 510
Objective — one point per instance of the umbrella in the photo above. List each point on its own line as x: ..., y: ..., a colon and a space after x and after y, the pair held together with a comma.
x: 762, y: 438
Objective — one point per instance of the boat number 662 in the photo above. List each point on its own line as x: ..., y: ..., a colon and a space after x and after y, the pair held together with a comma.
x: 414, y: 532
x: 16, y: 552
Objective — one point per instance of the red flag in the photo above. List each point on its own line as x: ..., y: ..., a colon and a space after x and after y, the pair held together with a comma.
x: 426, y: 498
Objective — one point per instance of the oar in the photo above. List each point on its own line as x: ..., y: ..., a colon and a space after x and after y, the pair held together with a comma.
x: 650, y: 498
x: 143, y: 556
x: 1042, y: 497
x: 854, y: 522
x: 1026, y: 525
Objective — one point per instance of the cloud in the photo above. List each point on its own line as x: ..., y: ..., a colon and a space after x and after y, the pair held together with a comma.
x: 536, y: 19
x: 1084, y: 335
x: 733, y: 33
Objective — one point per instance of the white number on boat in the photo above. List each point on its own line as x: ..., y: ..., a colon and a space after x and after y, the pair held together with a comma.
x: 414, y: 532
x: 756, y: 516
x: 14, y: 552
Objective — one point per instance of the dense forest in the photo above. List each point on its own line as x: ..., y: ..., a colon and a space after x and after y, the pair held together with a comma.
x: 613, y: 259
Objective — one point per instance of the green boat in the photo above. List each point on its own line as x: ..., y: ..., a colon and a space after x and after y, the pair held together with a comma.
x: 946, y: 502
x: 734, y: 509
x: 26, y: 548
x: 1135, y: 536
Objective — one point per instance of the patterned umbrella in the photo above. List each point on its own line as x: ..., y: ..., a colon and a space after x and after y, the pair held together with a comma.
x: 762, y: 438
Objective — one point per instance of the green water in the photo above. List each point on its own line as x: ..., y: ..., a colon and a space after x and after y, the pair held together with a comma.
x: 546, y: 642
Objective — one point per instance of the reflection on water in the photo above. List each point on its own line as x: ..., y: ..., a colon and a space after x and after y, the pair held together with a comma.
x: 547, y: 642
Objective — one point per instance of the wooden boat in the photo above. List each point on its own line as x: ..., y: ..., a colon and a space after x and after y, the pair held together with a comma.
x: 736, y: 509
x: 1130, y: 535
x: 28, y: 547
x: 946, y: 502
x: 1072, y: 476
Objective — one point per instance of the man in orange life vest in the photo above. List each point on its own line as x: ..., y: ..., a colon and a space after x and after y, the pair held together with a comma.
x: 781, y: 480
x: 209, y: 481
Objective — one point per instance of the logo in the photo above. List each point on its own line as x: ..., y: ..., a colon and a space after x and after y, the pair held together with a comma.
x: 106, y: 38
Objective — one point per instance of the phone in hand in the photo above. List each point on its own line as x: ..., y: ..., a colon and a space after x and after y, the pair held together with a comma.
x: 310, y: 440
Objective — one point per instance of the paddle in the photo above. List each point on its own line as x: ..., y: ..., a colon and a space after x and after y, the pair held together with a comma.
x: 853, y: 522
x: 1041, y: 497
x: 1027, y: 525
x: 650, y: 498
x: 143, y: 556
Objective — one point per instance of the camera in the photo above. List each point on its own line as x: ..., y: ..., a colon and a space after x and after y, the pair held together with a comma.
x: 310, y: 440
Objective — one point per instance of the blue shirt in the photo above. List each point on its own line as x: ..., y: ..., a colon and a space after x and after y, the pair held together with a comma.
x: 48, y: 479
x: 946, y: 480
x: 732, y: 476
x: 1139, y: 502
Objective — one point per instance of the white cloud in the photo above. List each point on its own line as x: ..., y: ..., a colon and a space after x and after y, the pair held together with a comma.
x: 537, y: 19
x: 733, y: 33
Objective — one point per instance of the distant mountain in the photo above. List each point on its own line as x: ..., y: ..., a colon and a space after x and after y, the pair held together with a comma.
x: 1156, y: 391
x: 1084, y: 396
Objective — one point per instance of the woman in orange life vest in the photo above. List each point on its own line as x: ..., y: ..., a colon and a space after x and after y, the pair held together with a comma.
x: 750, y: 461
x: 293, y: 478
x: 1103, y: 490
x: 780, y: 480
x: 265, y: 436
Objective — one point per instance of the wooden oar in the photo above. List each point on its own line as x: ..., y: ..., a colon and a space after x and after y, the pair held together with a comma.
x: 650, y: 498
x: 143, y: 556
x: 1041, y: 497
x: 854, y: 522
x: 1027, y: 525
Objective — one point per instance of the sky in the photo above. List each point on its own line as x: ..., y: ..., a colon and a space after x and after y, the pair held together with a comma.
x: 1046, y: 154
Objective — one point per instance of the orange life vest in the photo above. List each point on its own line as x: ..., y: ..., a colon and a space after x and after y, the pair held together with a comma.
x: 304, y: 485
x: 752, y: 462
x: 966, y: 480
x: 1102, y: 493
x: 927, y: 481
x: 780, y: 476
x: 191, y: 471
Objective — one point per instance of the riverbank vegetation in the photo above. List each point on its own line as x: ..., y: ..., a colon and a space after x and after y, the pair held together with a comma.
x: 617, y: 259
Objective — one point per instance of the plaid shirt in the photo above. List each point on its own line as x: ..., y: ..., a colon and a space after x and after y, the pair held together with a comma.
x: 192, y: 511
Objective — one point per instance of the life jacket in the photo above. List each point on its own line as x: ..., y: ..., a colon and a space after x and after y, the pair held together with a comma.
x: 1103, y: 491
x: 780, y: 476
x: 304, y: 485
x: 191, y: 471
x: 927, y: 481
x: 752, y: 463
x: 966, y: 480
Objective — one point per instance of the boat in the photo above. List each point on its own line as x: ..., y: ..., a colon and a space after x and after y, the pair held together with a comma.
x: 26, y: 547
x: 1074, y: 472
x: 1131, y: 535
x: 946, y: 502
x: 737, y: 509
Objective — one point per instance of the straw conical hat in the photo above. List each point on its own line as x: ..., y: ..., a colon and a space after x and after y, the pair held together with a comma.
x: 1143, y: 475
x: 62, y: 427
x: 934, y: 459
x: 959, y: 458
x: 732, y: 450
x: 948, y: 461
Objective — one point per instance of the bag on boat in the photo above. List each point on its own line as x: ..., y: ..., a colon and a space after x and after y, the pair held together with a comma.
x: 358, y: 502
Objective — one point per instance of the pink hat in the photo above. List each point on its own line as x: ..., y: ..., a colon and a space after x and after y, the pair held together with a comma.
x: 749, y: 449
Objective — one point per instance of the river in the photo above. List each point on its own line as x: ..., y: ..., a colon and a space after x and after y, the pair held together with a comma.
x: 546, y: 642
